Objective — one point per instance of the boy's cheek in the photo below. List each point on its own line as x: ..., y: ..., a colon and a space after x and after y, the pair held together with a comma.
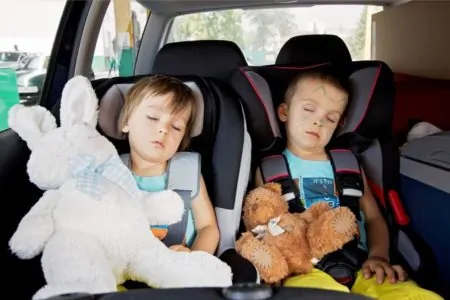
x: 327, y: 133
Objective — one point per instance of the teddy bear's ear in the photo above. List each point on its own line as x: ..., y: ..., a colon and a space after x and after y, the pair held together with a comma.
x: 31, y: 122
x: 79, y: 103
x: 274, y: 187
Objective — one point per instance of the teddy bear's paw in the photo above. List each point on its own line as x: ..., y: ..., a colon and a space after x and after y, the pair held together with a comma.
x: 269, y: 261
x: 315, y: 210
x: 339, y: 223
x: 164, y: 208
x: 344, y: 222
x: 271, y: 269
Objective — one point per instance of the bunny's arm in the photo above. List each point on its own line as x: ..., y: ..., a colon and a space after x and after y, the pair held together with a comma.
x: 163, y: 208
x: 36, y: 228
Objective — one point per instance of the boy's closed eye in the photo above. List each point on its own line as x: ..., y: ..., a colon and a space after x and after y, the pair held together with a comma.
x: 308, y: 108
x: 332, y: 119
x: 153, y: 118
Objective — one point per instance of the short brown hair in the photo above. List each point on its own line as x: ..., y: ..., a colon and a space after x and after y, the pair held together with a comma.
x: 324, y: 76
x: 158, y: 85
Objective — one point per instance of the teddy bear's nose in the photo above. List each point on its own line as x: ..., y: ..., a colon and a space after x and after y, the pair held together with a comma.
x: 255, y: 207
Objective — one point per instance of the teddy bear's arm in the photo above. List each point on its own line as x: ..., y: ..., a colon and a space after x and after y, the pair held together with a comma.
x: 163, y: 208
x: 36, y: 228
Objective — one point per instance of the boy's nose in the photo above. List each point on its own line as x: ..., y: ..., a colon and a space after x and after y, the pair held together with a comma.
x: 319, y: 122
x: 163, y: 129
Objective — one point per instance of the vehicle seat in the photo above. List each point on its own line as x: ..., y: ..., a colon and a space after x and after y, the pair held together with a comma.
x: 215, y: 61
x: 420, y: 256
x: 367, y: 132
x: 219, y: 170
x: 205, y: 58
x: 311, y: 49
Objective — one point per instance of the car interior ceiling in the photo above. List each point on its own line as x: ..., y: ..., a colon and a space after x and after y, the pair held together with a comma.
x: 410, y: 92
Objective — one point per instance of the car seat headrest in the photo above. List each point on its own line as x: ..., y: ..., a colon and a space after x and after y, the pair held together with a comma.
x: 369, y: 111
x: 371, y: 107
x: 313, y: 49
x: 112, y: 102
x: 208, y: 58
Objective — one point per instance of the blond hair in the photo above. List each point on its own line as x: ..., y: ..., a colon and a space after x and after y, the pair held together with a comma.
x: 158, y: 85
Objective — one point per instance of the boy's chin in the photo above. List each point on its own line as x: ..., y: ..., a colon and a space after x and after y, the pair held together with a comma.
x: 156, y: 158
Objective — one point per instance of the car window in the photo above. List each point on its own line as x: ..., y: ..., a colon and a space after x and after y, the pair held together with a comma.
x: 9, y: 56
x: 27, y: 32
x: 261, y: 33
x: 34, y: 63
x: 119, y: 39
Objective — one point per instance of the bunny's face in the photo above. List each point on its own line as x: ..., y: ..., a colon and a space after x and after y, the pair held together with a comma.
x: 56, y: 152
x: 53, y: 161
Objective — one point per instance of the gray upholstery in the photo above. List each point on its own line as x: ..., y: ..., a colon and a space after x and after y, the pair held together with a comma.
x: 112, y: 102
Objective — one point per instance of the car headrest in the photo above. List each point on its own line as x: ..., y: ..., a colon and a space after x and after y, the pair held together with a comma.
x: 369, y: 113
x: 312, y: 49
x: 208, y: 58
x: 111, y: 103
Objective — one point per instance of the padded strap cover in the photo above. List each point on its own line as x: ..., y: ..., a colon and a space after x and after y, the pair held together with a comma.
x: 184, y: 173
x: 183, y: 177
x: 345, y: 163
x: 275, y: 169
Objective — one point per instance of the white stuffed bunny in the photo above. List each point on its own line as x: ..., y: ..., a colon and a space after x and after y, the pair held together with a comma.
x: 92, y: 222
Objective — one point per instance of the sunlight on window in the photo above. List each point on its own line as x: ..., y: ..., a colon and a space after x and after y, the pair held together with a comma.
x: 260, y: 33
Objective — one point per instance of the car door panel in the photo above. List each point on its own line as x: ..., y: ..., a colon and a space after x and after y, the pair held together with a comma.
x: 24, y: 277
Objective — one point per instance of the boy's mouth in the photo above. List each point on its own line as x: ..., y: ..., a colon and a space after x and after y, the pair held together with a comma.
x: 313, y: 133
x: 158, y: 144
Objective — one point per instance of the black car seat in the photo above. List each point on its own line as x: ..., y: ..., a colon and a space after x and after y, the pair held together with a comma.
x: 217, y: 118
x: 310, y: 49
x: 262, y: 90
x: 409, y: 248
x: 367, y: 133
x: 215, y: 61
x: 223, y: 159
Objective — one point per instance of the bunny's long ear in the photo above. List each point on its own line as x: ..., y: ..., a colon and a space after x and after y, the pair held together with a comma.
x: 79, y: 103
x: 31, y: 122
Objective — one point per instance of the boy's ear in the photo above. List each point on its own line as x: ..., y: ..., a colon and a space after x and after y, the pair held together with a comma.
x: 124, y: 129
x: 282, y: 112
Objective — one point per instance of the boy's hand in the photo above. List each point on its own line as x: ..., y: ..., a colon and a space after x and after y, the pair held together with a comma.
x: 380, y: 267
x: 180, y: 248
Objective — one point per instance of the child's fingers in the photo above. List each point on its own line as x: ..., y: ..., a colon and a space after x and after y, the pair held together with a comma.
x: 379, y: 271
x: 402, y: 276
x: 390, y: 273
x: 366, y: 271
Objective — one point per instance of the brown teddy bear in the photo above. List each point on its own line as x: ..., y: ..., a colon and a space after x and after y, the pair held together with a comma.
x: 280, y: 244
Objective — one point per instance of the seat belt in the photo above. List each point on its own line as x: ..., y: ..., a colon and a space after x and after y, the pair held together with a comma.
x: 183, y: 177
x: 341, y: 264
x: 275, y: 169
x: 348, y: 179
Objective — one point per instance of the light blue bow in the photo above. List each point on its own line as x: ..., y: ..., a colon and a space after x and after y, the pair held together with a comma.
x: 89, y: 178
